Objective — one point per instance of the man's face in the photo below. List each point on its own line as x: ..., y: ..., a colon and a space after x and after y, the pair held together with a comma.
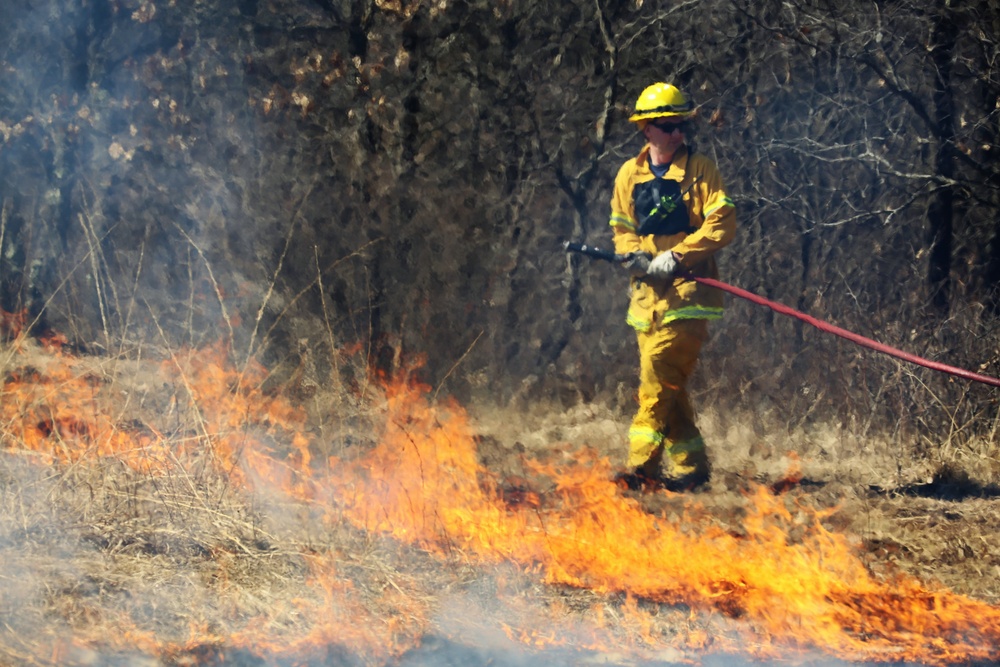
x: 666, y: 133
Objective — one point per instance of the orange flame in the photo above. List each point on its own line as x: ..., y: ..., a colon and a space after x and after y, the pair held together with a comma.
x: 811, y: 594
x: 423, y: 485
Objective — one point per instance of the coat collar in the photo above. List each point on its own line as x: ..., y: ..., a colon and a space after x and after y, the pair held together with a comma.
x: 677, y: 166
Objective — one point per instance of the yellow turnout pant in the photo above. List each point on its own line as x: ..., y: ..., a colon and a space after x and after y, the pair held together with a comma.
x: 663, y: 431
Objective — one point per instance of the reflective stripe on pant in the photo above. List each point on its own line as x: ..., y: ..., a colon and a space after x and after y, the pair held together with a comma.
x: 664, y: 423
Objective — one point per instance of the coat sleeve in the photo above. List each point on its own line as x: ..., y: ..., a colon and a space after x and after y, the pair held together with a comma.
x: 719, y: 219
x: 623, y: 221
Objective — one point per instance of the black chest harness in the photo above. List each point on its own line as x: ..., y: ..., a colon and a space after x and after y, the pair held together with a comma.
x: 660, y: 208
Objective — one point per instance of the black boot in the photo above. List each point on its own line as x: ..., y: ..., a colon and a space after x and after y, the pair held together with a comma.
x: 691, y: 470
x: 690, y: 482
x: 638, y: 480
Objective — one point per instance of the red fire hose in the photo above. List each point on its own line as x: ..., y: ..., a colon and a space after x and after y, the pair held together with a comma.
x: 844, y: 333
x: 819, y: 324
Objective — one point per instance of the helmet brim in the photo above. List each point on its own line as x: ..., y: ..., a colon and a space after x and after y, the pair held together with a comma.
x: 649, y: 115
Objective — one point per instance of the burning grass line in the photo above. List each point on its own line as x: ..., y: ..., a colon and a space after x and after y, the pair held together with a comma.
x: 562, y: 530
x: 786, y: 583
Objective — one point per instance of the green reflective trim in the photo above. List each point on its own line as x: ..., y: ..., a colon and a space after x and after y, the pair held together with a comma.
x: 644, y: 434
x: 692, y: 313
x: 695, y: 444
x: 622, y: 220
x: 726, y: 201
x: 637, y: 323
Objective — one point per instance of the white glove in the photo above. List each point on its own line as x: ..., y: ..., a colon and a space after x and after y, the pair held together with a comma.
x: 663, y: 265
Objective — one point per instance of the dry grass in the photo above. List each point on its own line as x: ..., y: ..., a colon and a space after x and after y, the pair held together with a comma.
x: 107, y: 563
x: 931, y: 516
x: 93, y: 543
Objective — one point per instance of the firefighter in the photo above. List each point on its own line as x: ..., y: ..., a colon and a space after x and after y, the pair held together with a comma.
x: 669, y: 211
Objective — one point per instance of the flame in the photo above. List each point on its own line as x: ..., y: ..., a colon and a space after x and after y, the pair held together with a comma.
x: 811, y: 594
x: 784, y: 585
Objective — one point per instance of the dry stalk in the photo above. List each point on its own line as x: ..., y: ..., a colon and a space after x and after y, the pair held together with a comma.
x: 135, y: 290
x: 274, y: 278
x: 456, y: 364
x: 191, y: 297
x: 95, y: 269
x: 318, y: 281
x: 326, y: 318
x: 200, y: 420
x: 4, y: 215
x: 215, y: 285
x: 26, y: 331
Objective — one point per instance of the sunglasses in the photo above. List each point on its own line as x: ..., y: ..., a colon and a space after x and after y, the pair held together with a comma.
x: 669, y: 126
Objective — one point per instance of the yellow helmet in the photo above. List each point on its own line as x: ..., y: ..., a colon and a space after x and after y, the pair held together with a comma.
x: 661, y: 100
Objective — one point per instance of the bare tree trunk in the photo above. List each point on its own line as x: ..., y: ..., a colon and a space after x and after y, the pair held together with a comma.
x: 993, y: 274
x: 941, y: 211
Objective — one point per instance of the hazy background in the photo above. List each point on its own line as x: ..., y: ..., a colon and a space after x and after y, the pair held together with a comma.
x: 299, y: 178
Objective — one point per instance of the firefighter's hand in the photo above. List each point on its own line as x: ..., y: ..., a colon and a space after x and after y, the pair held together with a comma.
x: 637, y: 263
x: 663, y: 265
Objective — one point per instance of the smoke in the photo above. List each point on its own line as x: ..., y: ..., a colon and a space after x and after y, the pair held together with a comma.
x: 33, y: 544
x: 129, y: 156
